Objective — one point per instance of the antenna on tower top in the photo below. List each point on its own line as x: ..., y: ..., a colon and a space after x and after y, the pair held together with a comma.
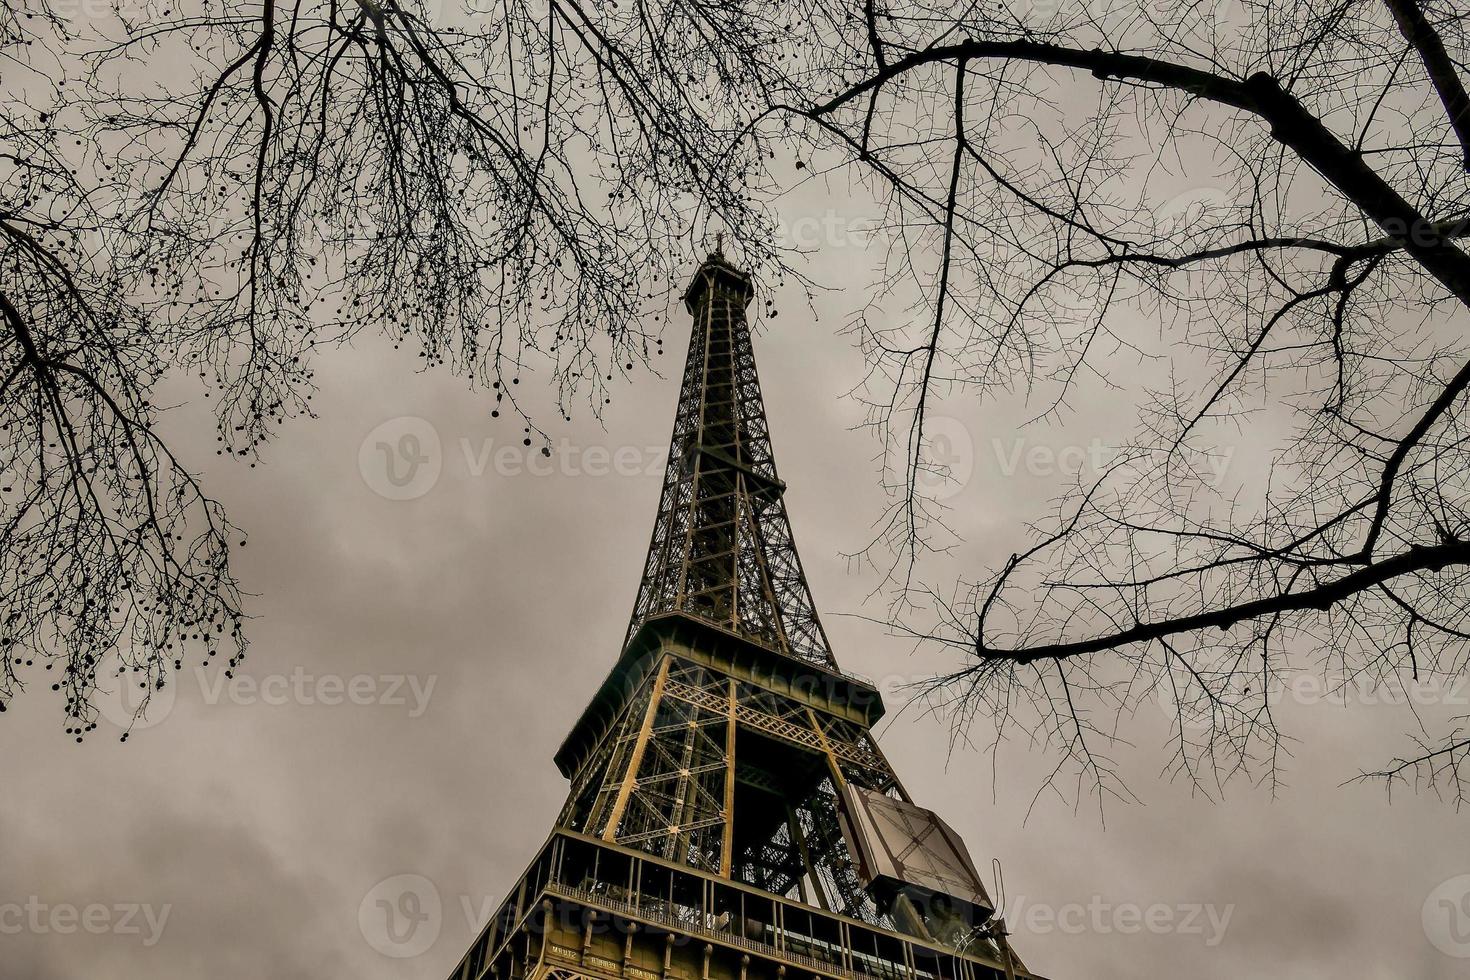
x: 720, y: 244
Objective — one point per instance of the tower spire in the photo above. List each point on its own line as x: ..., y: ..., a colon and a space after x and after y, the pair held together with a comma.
x: 730, y: 815
x: 722, y: 549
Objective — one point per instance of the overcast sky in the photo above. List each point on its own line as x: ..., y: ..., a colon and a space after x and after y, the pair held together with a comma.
x: 249, y: 829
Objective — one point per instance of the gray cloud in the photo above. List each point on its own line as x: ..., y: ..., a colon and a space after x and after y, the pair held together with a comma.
x: 265, y: 825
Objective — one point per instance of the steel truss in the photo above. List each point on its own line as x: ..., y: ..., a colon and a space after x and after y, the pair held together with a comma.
x: 725, y: 741
x: 667, y: 779
x: 722, y: 548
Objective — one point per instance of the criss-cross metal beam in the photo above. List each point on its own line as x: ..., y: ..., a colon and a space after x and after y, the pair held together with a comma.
x: 722, y: 548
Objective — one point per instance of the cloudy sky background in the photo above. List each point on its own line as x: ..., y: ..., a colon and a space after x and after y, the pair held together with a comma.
x: 260, y: 828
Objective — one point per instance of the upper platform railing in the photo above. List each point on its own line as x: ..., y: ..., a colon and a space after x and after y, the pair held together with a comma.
x: 640, y: 891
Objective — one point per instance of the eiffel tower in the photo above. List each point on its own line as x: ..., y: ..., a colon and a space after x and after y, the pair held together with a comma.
x: 731, y: 816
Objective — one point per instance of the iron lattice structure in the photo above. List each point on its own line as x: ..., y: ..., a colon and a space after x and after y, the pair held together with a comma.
x: 669, y: 779
x: 718, y: 773
x: 722, y: 548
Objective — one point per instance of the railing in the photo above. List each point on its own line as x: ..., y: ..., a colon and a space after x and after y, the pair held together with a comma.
x: 546, y: 877
x: 695, y: 928
x: 691, y: 925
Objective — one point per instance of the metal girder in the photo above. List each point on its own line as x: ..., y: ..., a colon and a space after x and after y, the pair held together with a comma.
x: 722, y: 548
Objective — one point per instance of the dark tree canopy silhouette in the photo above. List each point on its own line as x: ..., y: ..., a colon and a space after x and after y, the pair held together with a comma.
x: 218, y: 192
